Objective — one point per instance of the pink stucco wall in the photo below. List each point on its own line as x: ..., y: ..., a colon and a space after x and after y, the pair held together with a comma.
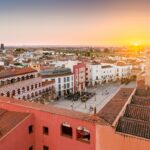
x: 54, y: 140
x: 18, y: 138
x: 107, y: 139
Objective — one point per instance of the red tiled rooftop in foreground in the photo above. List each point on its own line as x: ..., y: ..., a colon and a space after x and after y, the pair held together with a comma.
x: 138, y: 112
x: 138, y: 100
x: 134, y: 127
x: 15, y: 71
x: 111, y: 110
x: 136, y: 119
x: 9, y: 120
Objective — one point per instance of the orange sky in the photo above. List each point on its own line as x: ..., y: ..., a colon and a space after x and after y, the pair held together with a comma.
x: 91, y: 23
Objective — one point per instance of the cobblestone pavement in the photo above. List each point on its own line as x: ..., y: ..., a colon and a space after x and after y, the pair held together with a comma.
x: 103, y: 95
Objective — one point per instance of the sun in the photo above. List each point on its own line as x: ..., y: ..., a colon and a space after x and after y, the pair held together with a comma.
x: 136, y: 44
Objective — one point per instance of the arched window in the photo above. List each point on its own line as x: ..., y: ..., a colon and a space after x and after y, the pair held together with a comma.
x: 36, y: 94
x: 22, y: 78
x: 40, y: 92
x: 18, y: 79
x: 24, y: 98
x: 27, y: 77
x: 18, y: 91
x: 23, y: 89
x: 31, y: 76
x: 13, y: 93
x: 32, y: 95
x: 8, y: 94
x: 28, y: 96
x: 35, y: 85
x: 32, y: 87
x: 46, y: 89
x: 2, y: 94
x: 28, y: 88
x: 39, y: 84
x: 83, y: 134
x: 66, y: 129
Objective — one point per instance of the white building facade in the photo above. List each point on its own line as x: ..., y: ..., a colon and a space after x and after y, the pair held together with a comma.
x: 64, y: 82
x: 103, y: 73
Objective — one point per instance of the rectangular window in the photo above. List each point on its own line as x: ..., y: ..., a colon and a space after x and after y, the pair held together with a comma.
x: 31, y: 148
x: 59, y: 80
x: 83, y: 134
x: 45, y: 130
x: 64, y: 86
x: 68, y: 85
x: 30, y: 129
x: 45, y: 147
x: 64, y: 79
x: 68, y: 79
x: 66, y: 130
x: 59, y: 87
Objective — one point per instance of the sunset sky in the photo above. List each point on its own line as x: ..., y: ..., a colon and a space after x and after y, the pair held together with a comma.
x: 75, y: 22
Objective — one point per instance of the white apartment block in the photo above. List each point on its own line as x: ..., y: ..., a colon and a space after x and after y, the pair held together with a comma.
x: 103, y: 73
x: 64, y: 81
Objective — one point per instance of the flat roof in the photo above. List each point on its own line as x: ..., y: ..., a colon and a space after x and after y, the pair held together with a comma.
x: 53, y: 110
x: 57, y: 75
x: 9, y: 120
x: 106, y: 66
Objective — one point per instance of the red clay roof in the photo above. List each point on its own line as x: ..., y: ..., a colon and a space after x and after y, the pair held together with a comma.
x: 138, y: 112
x: 134, y: 127
x: 9, y: 120
x: 111, y: 110
x: 136, y: 119
x: 144, y: 101
x: 15, y: 71
x: 121, y: 63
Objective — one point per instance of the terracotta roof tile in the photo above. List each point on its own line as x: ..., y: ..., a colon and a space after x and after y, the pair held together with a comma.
x: 9, y: 120
x: 16, y: 71
x: 111, y: 110
x: 134, y: 127
x: 138, y: 112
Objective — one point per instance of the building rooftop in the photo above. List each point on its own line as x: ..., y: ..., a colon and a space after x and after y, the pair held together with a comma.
x: 58, y: 75
x: 111, y: 110
x: 121, y: 63
x: 136, y: 119
x: 15, y: 71
x: 9, y: 120
x: 53, y: 110
x: 134, y: 127
x: 59, y: 71
x: 106, y: 66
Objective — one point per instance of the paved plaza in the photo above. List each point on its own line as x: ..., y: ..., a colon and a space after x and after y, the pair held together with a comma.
x: 103, y: 95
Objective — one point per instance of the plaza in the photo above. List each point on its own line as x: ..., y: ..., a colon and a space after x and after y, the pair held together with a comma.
x: 103, y: 94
